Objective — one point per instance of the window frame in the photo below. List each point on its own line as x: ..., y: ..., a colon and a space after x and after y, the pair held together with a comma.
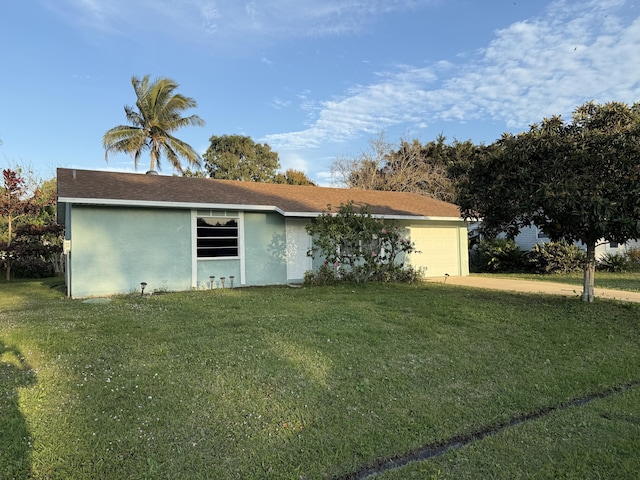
x: 221, y: 217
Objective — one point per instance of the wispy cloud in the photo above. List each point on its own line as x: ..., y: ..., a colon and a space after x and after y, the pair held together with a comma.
x: 279, y: 104
x: 210, y: 16
x: 231, y: 20
x: 92, y: 14
x: 539, y: 67
x: 364, y: 109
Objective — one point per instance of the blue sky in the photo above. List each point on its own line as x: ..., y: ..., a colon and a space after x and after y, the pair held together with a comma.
x: 314, y: 79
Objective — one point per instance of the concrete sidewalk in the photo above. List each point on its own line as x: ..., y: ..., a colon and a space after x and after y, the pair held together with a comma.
x: 531, y: 286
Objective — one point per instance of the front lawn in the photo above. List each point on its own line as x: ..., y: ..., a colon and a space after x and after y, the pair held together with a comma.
x: 616, y: 281
x: 314, y: 383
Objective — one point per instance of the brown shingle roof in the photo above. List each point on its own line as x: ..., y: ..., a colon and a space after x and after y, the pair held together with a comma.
x: 94, y: 187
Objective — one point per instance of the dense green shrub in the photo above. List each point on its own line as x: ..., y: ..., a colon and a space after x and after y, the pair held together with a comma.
x: 326, y: 275
x: 628, y: 261
x: 633, y: 256
x: 556, y: 257
x: 499, y: 255
x: 32, y: 267
x: 614, y: 262
x: 357, y: 247
x: 35, y: 251
x: 329, y: 274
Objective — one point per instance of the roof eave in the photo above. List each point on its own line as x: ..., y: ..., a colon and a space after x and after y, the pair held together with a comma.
x: 227, y: 206
x: 150, y: 204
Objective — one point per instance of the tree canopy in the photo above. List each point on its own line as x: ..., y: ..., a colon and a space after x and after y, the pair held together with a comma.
x: 292, y: 177
x: 156, y: 116
x: 576, y: 181
x: 28, y: 233
x: 432, y: 169
x: 238, y: 157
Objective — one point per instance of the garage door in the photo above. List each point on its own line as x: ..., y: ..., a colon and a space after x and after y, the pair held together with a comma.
x: 440, y: 247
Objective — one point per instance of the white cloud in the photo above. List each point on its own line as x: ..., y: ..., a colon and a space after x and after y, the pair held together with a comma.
x: 290, y: 159
x: 535, y: 68
x: 279, y: 104
x: 210, y: 16
x: 325, y: 179
x: 230, y: 20
x: 92, y: 14
x: 363, y: 110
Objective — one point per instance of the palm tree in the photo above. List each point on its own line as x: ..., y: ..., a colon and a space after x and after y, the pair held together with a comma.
x: 157, y: 115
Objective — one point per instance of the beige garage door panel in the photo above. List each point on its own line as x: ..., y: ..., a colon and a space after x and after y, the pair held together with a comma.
x: 440, y: 250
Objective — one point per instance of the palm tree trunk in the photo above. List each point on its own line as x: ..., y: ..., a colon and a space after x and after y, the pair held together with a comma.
x: 589, y: 273
x: 152, y: 166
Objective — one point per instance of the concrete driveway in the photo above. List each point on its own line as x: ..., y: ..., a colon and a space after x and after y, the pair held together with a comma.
x: 530, y: 286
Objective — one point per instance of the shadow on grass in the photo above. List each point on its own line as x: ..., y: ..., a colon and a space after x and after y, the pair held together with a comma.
x: 436, y: 450
x: 15, y: 438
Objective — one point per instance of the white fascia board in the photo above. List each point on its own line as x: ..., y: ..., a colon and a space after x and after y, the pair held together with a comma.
x: 155, y: 204
x: 420, y: 218
x: 387, y: 217
x: 301, y: 214
x: 228, y: 206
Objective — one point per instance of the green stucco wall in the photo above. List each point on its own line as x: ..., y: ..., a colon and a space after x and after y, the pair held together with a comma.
x: 265, y: 249
x: 114, y: 249
x: 218, y: 268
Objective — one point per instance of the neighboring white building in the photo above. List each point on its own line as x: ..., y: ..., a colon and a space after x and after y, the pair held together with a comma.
x: 532, y: 235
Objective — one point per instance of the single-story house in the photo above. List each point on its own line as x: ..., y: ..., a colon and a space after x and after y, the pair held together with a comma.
x: 176, y: 233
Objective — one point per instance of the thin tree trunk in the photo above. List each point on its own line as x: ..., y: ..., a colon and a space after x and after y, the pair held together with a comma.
x: 589, y: 273
x: 8, y: 261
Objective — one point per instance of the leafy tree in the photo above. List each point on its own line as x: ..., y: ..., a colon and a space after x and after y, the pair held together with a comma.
x: 195, y: 173
x: 362, y: 171
x: 576, y: 181
x: 156, y: 116
x: 37, y: 250
x: 433, y: 169
x: 292, y: 177
x: 358, y: 245
x: 21, y: 197
x: 237, y: 157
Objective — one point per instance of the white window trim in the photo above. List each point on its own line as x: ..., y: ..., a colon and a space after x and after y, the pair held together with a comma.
x: 194, y: 247
x: 241, y: 249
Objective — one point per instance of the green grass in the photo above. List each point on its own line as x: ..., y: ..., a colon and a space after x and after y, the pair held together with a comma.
x: 313, y: 383
x: 617, y: 281
x: 592, y: 441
